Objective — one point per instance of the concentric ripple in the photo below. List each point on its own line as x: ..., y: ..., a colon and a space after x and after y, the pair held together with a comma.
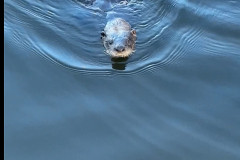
x: 68, y: 32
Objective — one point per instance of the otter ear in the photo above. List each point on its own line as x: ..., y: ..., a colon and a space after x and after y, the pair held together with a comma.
x: 133, y: 31
x: 103, y: 34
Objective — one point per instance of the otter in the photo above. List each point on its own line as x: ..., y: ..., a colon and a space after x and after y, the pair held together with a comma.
x: 118, y: 38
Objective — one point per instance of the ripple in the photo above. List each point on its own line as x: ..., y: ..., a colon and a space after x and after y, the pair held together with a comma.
x: 220, y: 46
x: 68, y: 33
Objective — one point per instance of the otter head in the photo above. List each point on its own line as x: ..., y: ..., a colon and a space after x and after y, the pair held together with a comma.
x: 118, y: 38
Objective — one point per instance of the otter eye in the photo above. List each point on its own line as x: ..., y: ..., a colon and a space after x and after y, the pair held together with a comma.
x: 110, y: 42
x: 103, y: 34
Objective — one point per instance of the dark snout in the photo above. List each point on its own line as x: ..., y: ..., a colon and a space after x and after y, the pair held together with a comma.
x: 119, y: 48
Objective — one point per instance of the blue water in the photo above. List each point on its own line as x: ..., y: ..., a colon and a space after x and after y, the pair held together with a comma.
x: 176, y: 98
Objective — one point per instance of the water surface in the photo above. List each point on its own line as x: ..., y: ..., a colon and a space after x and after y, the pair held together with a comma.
x: 176, y: 97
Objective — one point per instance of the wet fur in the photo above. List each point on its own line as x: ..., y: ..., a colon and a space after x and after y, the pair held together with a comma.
x: 118, y: 32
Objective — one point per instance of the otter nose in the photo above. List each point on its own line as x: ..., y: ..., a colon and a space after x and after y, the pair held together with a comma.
x: 119, y: 48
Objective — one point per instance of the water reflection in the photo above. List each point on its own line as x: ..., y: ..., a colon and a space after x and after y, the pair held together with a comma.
x: 119, y: 63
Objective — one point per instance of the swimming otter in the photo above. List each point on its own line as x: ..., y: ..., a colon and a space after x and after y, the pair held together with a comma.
x: 118, y: 38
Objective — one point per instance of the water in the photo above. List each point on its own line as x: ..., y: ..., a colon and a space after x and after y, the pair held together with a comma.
x: 176, y: 97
